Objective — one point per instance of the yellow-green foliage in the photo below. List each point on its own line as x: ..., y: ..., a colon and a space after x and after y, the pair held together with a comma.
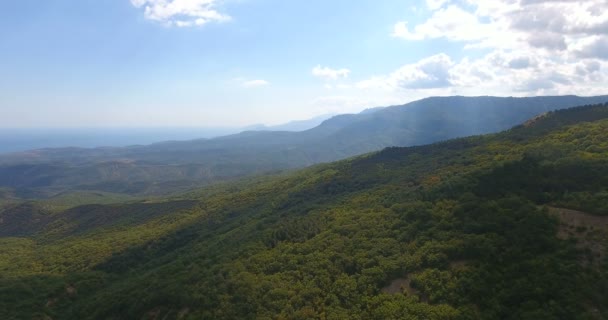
x: 461, y: 222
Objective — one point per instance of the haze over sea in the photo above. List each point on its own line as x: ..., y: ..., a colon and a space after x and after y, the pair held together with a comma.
x: 21, y: 139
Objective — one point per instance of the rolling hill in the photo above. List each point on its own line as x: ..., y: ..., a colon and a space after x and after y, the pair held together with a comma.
x: 503, y: 226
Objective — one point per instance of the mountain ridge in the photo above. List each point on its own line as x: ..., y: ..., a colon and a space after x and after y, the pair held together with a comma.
x: 256, y: 152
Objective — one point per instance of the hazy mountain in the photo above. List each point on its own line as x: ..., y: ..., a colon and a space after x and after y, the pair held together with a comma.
x: 296, y: 125
x: 173, y: 166
x: 371, y: 110
x: 506, y: 226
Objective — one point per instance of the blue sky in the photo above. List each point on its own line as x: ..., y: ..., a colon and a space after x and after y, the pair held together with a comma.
x: 141, y: 63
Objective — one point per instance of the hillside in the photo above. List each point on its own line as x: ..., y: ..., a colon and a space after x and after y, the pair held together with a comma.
x: 462, y: 229
x: 171, y: 167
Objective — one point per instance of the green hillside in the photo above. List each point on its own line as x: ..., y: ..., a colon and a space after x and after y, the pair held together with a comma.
x: 504, y: 226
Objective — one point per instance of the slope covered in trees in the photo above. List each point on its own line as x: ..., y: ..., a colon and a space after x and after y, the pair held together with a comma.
x: 168, y: 167
x: 454, y: 230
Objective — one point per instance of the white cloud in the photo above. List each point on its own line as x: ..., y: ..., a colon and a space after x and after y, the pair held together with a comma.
x: 529, y: 47
x: 508, y: 23
x: 330, y: 74
x: 255, y: 83
x: 181, y: 13
x: 497, y: 73
x: 429, y: 73
x: 452, y: 22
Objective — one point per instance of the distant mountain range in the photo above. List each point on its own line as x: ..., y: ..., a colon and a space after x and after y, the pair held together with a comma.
x: 178, y: 165
x: 22, y: 139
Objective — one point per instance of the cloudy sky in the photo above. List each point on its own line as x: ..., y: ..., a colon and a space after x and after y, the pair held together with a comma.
x: 68, y: 63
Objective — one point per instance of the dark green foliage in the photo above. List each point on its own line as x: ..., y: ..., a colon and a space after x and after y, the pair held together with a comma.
x: 461, y: 227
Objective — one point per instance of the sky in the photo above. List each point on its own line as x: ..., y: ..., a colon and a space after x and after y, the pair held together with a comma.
x: 226, y: 63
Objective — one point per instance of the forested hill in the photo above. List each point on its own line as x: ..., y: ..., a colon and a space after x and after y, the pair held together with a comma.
x: 175, y: 166
x: 503, y: 226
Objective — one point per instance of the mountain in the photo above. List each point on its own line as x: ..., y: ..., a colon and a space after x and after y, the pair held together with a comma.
x: 371, y: 110
x: 296, y: 125
x: 177, y: 166
x: 512, y: 225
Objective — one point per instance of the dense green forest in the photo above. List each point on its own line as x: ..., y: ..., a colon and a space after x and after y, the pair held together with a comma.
x: 502, y: 226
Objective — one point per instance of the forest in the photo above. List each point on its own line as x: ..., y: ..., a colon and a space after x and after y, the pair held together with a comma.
x: 468, y: 228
